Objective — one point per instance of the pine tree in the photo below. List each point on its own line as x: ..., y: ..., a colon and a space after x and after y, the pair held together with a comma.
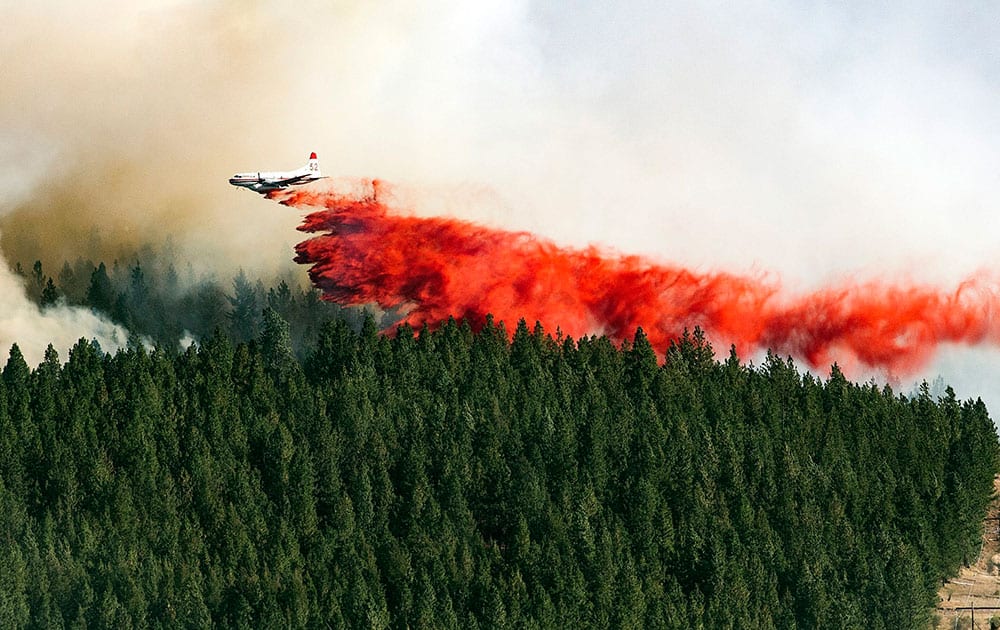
x: 50, y: 294
x: 245, y: 311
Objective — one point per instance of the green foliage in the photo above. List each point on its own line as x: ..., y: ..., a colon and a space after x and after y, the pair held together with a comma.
x: 163, y: 307
x: 455, y: 479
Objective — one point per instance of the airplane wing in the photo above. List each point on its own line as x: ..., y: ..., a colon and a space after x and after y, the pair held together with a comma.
x: 288, y: 181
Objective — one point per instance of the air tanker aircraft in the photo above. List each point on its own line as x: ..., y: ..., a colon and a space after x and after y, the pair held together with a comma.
x: 264, y: 182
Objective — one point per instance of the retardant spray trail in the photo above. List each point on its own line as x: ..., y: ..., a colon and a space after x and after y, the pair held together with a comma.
x: 440, y: 267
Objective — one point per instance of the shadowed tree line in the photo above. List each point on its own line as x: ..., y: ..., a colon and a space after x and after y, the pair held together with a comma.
x: 157, y: 302
x: 456, y: 479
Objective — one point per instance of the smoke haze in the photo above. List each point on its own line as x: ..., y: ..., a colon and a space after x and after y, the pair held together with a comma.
x: 34, y: 329
x: 818, y: 145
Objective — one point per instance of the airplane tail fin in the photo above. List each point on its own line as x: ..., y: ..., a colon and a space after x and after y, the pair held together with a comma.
x: 313, y: 164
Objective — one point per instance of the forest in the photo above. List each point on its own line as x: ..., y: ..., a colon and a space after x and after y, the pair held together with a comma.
x: 169, y: 307
x: 284, y: 472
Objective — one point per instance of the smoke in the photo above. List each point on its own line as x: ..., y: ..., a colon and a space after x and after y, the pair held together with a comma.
x: 844, y: 145
x: 127, y: 118
x: 438, y: 267
x: 733, y: 137
x: 122, y: 120
x: 23, y: 323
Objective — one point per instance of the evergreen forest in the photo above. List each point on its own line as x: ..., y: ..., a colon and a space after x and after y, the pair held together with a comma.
x: 303, y: 473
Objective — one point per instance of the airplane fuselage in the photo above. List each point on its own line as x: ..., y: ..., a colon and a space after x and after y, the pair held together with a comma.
x: 264, y: 181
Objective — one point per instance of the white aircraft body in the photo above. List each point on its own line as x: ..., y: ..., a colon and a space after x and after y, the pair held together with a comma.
x: 264, y: 182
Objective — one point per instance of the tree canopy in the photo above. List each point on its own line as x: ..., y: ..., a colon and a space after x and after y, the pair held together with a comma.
x: 453, y: 478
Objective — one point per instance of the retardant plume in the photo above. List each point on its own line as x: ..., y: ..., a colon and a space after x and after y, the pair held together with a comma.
x: 435, y: 268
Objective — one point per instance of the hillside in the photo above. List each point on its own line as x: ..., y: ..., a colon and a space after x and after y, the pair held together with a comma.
x: 460, y: 479
x: 974, y: 594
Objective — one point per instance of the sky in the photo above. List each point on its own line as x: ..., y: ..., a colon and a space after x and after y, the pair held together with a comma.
x: 807, y: 143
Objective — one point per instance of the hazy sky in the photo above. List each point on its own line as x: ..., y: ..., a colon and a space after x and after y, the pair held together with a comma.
x: 805, y: 142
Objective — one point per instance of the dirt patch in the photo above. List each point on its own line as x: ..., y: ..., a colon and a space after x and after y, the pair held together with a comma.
x: 975, y: 592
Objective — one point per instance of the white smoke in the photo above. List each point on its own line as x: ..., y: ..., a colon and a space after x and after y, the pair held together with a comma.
x: 26, y: 163
x: 33, y: 329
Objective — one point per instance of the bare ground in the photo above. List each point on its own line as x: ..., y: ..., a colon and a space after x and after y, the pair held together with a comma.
x: 975, y: 591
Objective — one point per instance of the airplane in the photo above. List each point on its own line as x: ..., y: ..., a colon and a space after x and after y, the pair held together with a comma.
x: 263, y: 182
